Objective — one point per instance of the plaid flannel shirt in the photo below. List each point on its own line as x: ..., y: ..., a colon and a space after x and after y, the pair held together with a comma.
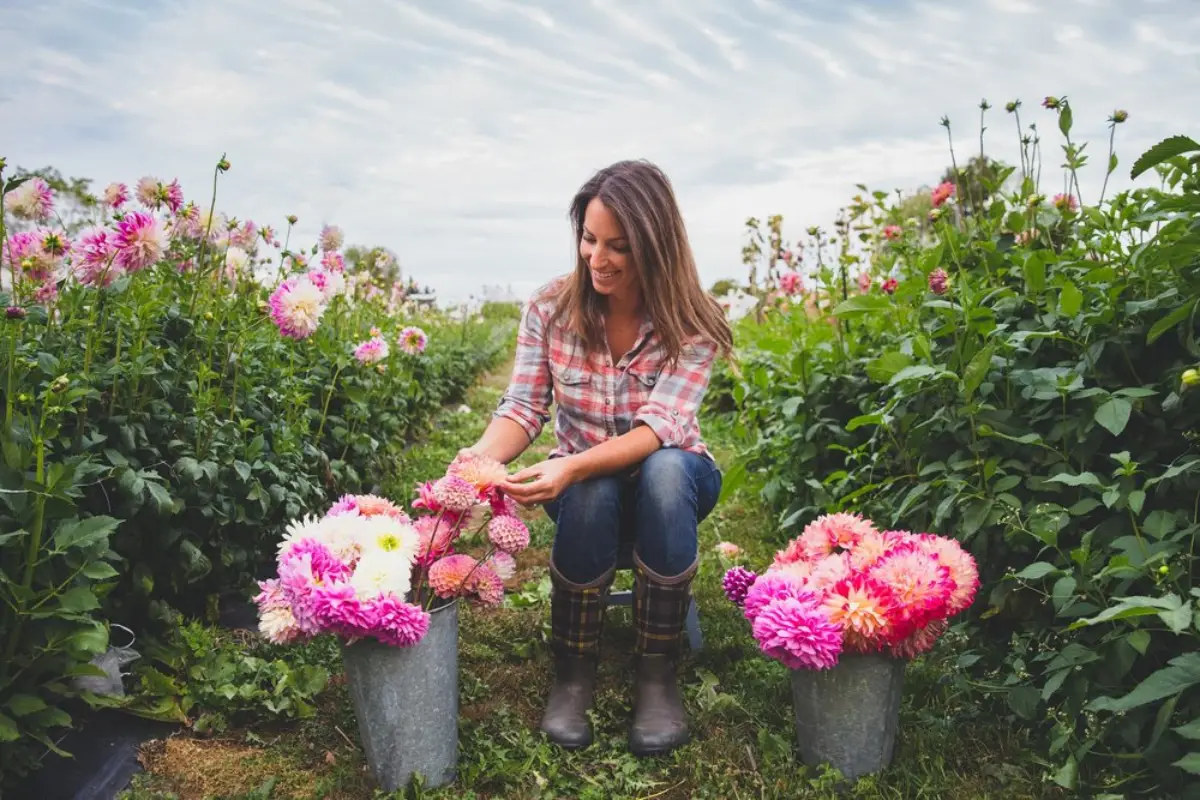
x: 597, y: 400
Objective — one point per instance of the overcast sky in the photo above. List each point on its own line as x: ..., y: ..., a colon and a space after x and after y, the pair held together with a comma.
x: 456, y: 132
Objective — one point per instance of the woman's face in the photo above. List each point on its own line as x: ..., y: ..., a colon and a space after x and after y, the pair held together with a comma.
x: 605, y: 250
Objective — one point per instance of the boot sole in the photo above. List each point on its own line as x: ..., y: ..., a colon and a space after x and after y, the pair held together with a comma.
x: 642, y: 751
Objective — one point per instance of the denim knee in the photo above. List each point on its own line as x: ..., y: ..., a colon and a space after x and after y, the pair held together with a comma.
x: 676, y: 490
x: 588, y: 521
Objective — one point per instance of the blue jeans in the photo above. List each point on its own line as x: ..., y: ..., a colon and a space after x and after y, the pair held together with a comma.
x: 659, y: 507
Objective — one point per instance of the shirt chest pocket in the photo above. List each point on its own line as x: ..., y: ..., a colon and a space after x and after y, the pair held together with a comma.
x: 640, y: 383
x: 572, y: 386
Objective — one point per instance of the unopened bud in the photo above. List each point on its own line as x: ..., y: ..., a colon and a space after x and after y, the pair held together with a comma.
x: 1120, y: 115
x: 1012, y: 105
x: 1191, y: 377
x: 291, y: 218
x: 223, y: 165
x: 1051, y: 103
x: 60, y: 384
x: 1164, y: 569
x: 14, y: 312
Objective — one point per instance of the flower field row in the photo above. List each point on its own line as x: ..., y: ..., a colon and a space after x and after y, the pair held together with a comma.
x: 178, y: 385
x: 1014, y: 368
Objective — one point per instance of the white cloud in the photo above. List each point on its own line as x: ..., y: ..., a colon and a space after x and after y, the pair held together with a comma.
x: 456, y: 134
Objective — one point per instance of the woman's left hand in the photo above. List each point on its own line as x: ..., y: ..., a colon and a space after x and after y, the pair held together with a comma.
x: 541, y: 483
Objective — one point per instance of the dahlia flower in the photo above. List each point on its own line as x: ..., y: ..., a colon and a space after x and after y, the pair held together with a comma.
x: 790, y: 282
x: 920, y: 641
x: 889, y: 286
x: 331, y: 238
x: 389, y: 535
x: 798, y: 633
x: 172, y: 195
x: 93, y: 258
x: 487, y: 585
x: 1065, y: 202
x: 372, y: 350
x: 828, y: 571
x: 148, y: 192
x: 116, y: 195
x: 455, y: 494
x: 32, y: 200
x: 296, y: 307
x: 139, y: 241
x: 922, y: 586
x: 963, y: 571
x: 939, y: 281
x: 380, y: 572
x: 866, y: 610
x: 892, y: 231
x: 448, y: 576
x: 737, y: 583
x: 329, y: 282
x: 865, y: 282
x: 482, y: 472
x: 728, y: 550
x: 398, y: 623
x: 941, y: 193
x: 503, y: 564
x: 334, y: 262
x: 434, y: 538
x: 770, y: 587
x: 275, y: 619
x: 413, y: 340
x: 508, y: 534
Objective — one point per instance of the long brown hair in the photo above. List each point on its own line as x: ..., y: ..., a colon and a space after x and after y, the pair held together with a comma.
x: 640, y: 196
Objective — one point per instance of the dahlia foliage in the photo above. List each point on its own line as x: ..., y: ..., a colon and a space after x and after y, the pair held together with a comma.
x: 845, y: 586
x: 368, y: 568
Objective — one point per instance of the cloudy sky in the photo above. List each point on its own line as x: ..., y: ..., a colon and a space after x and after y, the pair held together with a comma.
x: 455, y: 132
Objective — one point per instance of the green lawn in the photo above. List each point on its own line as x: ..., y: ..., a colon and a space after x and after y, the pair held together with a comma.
x: 743, y: 739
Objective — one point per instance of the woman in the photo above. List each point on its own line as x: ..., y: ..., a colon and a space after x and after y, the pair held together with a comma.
x: 627, y: 344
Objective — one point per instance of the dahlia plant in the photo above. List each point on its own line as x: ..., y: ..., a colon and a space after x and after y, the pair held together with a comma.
x: 845, y: 586
x: 368, y: 568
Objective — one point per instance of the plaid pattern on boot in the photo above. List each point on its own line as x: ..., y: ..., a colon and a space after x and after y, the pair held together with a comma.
x: 577, y: 614
x: 660, y: 607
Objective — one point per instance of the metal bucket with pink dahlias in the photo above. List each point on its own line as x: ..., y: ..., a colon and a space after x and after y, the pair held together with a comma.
x: 845, y: 606
x: 388, y: 583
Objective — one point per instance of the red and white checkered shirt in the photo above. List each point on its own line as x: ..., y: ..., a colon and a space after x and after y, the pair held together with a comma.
x: 597, y: 400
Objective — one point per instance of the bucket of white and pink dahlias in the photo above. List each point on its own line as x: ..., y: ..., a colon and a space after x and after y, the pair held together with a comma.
x: 388, y: 584
x: 845, y: 606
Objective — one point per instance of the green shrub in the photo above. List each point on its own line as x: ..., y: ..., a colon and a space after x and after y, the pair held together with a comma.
x: 1032, y: 406
x: 160, y: 430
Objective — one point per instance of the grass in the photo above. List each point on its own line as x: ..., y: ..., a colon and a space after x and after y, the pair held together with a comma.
x: 743, y: 738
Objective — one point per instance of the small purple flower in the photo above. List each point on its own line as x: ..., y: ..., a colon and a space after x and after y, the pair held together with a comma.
x: 737, y: 583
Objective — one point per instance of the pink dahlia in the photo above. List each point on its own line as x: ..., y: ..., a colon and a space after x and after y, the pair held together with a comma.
x: 372, y: 505
x: 372, y: 350
x: 922, y: 587
x: 296, y: 307
x: 963, y: 570
x: 337, y: 608
x: 790, y: 282
x: 889, y: 286
x: 245, y: 236
x: 426, y: 499
x: 331, y: 238
x: 32, y: 200
x: 487, y: 585
x: 455, y: 494
x: 828, y: 571
x: 482, y: 472
x: 322, y: 563
x: 737, y: 583
x: 448, y: 576
x: 116, y: 195
x: 139, y: 241
x: 508, y: 534
x: 434, y: 536
x: 939, y: 281
x: 172, y: 195
x: 846, y: 530
x: 892, y: 232
x: 275, y: 620
x: 865, y: 282
x: 920, y: 641
x: 398, y: 623
x: 770, y: 587
x: 941, y: 193
x: 413, y: 340
x: 798, y: 633
x: 866, y: 610
x: 334, y: 262
x: 728, y: 550
x: 94, y: 256
x: 871, y: 546
x: 46, y: 293
x: 330, y: 283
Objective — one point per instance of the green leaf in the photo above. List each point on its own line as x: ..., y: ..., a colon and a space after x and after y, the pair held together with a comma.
x: 1064, y: 119
x: 1129, y: 607
x: 99, y: 571
x: 912, y: 373
x: 1177, y: 619
x: 883, y: 368
x: 1190, y: 730
x: 1070, y: 300
x: 977, y: 370
x: 1063, y: 591
x: 1136, y: 499
x: 862, y: 304
x: 84, y: 533
x: 8, y: 730
x: 22, y: 705
x: 1068, y: 775
x: 1170, y: 321
x: 1139, y: 640
x: 1189, y: 763
x: 1114, y: 414
x: 864, y: 419
x: 1035, y: 272
x: 1167, y: 148
x: 1182, y: 673
x: 78, y: 599
x: 1036, y: 570
x: 1082, y: 479
x: 1024, y: 701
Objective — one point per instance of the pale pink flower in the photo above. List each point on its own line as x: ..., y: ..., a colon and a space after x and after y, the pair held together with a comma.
x: 828, y: 571
x: 116, y: 195
x: 245, y: 236
x: 413, y: 340
x: 892, y: 232
x: 790, y: 282
x: 139, y: 241
x: 371, y: 351
x: 330, y: 283
x: 1066, y: 203
x: 939, y: 281
x: 455, y: 494
x: 503, y: 564
x: 46, y: 293
x: 1026, y: 237
x: 334, y: 262
x: 864, y: 282
x: 32, y: 200
x: 487, y: 585
x: 296, y: 307
x: 275, y: 619
x: 148, y: 192
x: 482, y: 472
x: 331, y: 238
x: 434, y: 538
x: 508, y: 534
x: 728, y: 550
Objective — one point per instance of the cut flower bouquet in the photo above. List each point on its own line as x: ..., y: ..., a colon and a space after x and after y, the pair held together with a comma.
x: 845, y: 586
x: 369, y: 569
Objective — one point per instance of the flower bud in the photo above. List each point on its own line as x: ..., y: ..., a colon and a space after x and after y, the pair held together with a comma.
x: 208, y: 315
x: 1011, y: 106
x: 291, y: 218
x: 1051, y: 103
x: 1191, y: 377
x: 1119, y: 116
x: 223, y: 165
x: 1164, y: 569
x: 60, y: 384
x: 14, y: 312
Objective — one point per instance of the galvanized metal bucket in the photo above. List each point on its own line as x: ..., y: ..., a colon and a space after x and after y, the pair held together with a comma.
x: 847, y: 716
x: 406, y: 703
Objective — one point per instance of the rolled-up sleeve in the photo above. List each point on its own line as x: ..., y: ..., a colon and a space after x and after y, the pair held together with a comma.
x: 527, y: 399
x: 675, y: 400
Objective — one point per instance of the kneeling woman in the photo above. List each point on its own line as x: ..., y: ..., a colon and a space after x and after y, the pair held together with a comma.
x: 627, y: 344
